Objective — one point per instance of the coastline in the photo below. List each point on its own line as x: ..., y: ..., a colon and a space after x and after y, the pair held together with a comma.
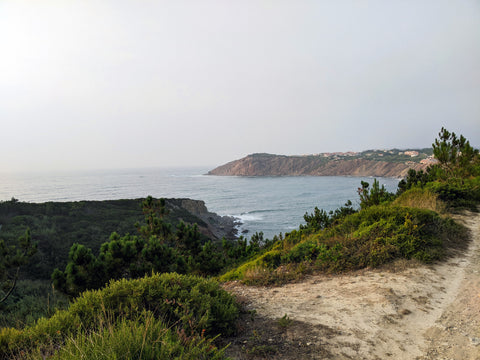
x: 361, y: 166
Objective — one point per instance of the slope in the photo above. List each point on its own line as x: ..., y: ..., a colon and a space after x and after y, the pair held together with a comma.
x: 400, y: 312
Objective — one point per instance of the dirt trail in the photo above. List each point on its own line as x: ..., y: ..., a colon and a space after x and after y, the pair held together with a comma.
x: 416, y: 313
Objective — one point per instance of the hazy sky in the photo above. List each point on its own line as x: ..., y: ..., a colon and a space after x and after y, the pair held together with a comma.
x: 136, y: 83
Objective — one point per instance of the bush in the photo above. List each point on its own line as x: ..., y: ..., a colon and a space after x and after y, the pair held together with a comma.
x: 376, y: 195
x: 421, y: 198
x: 191, y: 304
x: 269, y: 259
x: 463, y: 194
x: 369, y: 238
x: 393, y: 230
x: 145, y: 338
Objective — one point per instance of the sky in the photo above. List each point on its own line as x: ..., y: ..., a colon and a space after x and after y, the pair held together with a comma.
x: 109, y: 84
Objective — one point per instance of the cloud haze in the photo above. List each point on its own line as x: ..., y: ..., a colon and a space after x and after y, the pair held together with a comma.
x: 124, y: 83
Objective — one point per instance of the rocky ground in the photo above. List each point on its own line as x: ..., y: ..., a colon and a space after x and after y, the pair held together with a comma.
x: 403, y: 312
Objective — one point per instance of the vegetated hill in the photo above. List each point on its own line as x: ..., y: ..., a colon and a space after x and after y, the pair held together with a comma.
x: 56, y: 226
x: 382, y: 163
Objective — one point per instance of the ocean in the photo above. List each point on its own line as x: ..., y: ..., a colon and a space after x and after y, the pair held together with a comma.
x: 272, y: 205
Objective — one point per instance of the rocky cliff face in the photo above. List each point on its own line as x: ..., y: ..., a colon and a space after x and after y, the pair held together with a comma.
x: 210, y: 224
x: 280, y: 165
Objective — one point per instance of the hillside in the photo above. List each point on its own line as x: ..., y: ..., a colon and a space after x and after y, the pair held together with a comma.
x: 381, y: 163
x: 423, y: 312
x: 56, y: 226
x: 395, y: 278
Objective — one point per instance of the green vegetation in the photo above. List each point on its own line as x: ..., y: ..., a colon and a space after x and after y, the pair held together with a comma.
x: 70, y: 237
x: 31, y: 300
x: 395, y: 155
x: 422, y: 198
x: 11, y: 259
x: 369, y: 238
x: 158, y: 248
x: 412, y: 224
x: 284, y: 321
x: 179, y: 315
x: 56, y: 226
x: 374, y: 196
x: 456, y: 177
x: 148, y: 309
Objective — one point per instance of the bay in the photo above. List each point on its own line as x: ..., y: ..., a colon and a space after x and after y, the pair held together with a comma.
x: 272, y: 205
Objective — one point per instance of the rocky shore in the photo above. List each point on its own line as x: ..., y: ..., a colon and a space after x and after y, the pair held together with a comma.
x: 210, y: 224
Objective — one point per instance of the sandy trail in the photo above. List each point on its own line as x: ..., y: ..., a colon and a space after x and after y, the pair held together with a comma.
x: 426, y: 312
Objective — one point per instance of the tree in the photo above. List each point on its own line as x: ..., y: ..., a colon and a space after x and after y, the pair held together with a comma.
x: 155, y: 223
x: 455, y: 155
x: 159, y: 248
x: 82, y: 272
x: 316, y: 221
x: 12, y: 258
x: 209, y: 260
x: 415, y: 178
x: 374, y: 196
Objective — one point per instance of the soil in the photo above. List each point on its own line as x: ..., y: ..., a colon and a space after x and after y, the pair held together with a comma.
x: 407, y: 311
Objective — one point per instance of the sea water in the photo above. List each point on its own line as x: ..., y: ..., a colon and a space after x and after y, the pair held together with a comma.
x: 272, y: 205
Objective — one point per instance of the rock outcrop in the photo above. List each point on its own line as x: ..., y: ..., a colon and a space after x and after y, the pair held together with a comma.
x: 210, y: 224
x: 316, y: 165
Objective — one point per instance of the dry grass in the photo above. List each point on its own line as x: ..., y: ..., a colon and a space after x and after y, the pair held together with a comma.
x: 282, y: 274
x: 421, y: 198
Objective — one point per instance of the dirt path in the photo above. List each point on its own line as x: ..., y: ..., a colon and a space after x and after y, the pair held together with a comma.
x: 415, y: 313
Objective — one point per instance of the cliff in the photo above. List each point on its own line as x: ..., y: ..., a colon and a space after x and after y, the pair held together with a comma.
x: 210, y: 224
x: 381, y: 163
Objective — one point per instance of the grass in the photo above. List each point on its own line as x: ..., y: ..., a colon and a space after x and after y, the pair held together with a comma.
x: 284, y: 321
x: 370, y: 238
x: 421, y: 198
x: 145, y: 337
x: 181, y: 314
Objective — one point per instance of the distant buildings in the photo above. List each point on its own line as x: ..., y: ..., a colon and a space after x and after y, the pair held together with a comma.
x: 380, y: 153
x: 429, y: 161
x: 348, y: 153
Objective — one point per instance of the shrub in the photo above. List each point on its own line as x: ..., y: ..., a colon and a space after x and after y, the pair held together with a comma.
x: 376, y: 195
x: 421, y: 198
x: 145, y: 338
x: 393, y: 231
x: 369, y: 238
x: 189, y: 303
x: 458, y: 194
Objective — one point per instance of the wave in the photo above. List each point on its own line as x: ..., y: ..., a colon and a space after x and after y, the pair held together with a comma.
x: 248, y: 217
x: 260, y: 211
x: 256, y: 215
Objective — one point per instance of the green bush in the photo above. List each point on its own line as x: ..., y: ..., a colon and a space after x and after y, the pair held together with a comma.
x: 369, y: 238
x: 194, y: 305
x: 458, y: 194
x: 382, y: 233
x: 145, y: 338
